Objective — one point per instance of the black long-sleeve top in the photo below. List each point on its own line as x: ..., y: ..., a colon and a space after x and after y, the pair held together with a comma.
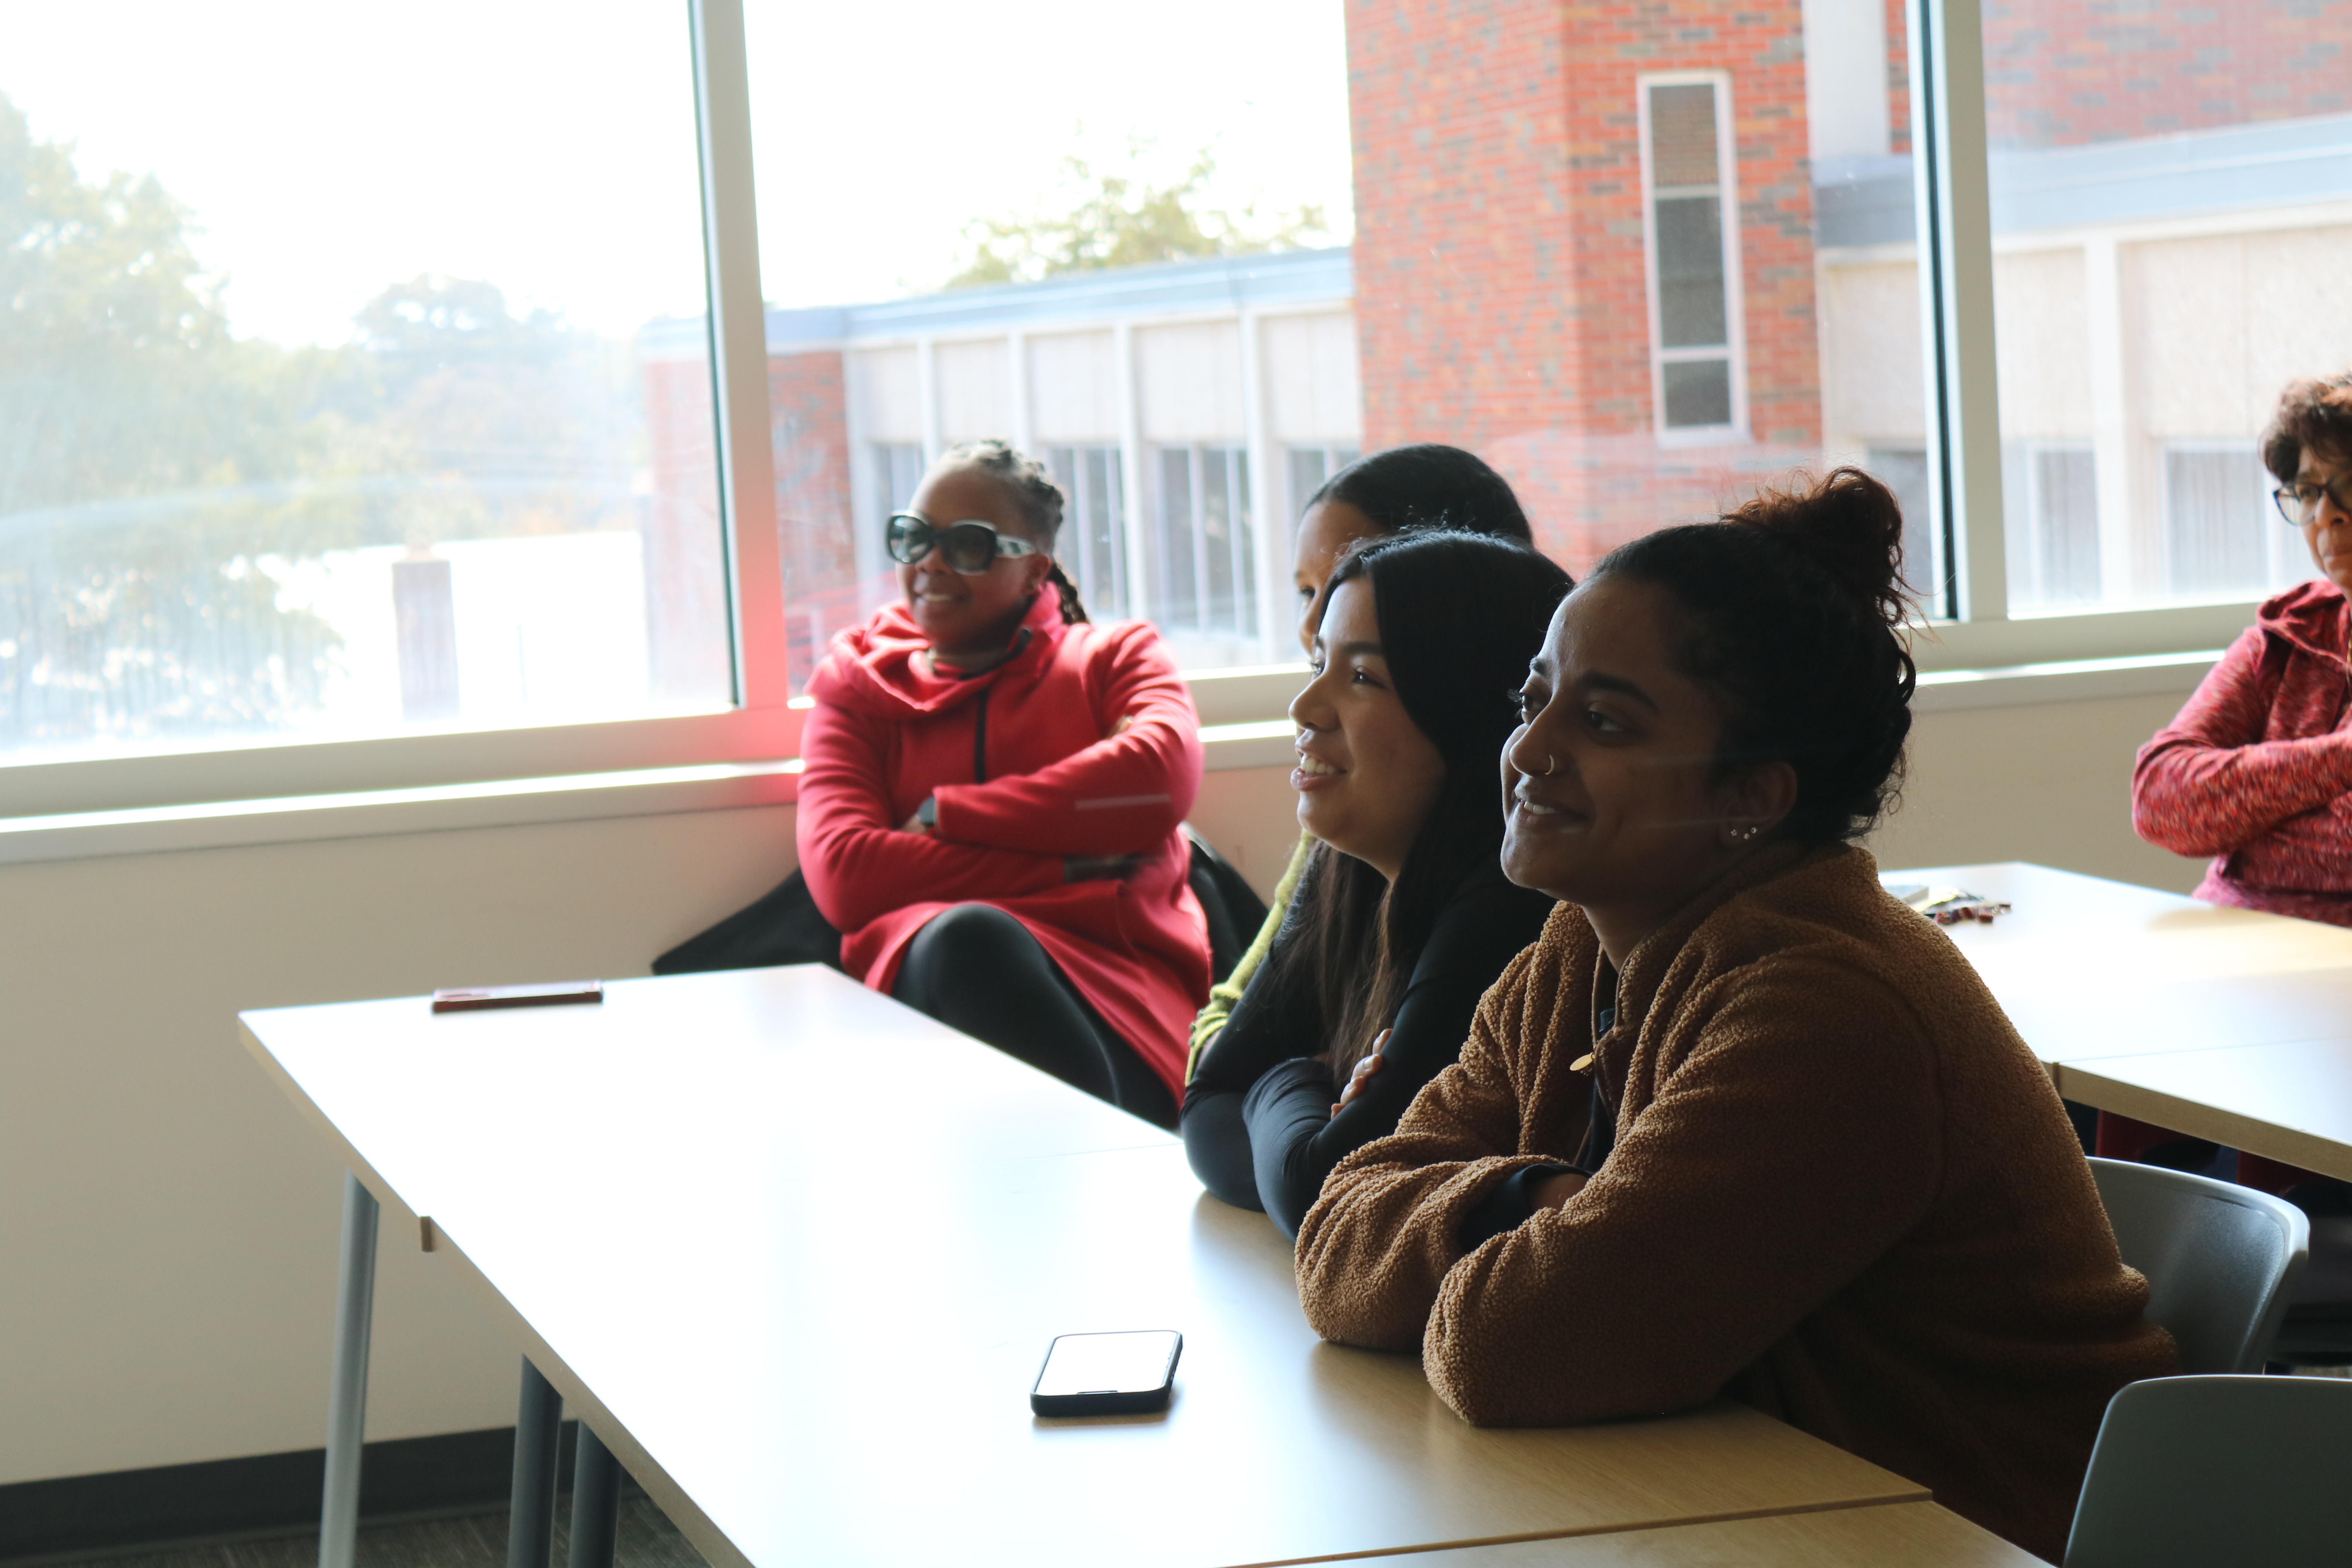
x: 1257, y: 1121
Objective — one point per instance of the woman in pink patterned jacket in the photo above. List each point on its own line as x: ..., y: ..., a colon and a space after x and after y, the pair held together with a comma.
x: 2256, y: 771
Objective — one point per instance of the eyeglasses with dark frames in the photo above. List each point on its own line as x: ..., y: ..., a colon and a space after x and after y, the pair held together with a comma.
x: 970, y: 547
x: 2298, y: 501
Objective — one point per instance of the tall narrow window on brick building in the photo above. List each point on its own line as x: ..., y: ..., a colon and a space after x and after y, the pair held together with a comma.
x: 2169, y: 209
x: 430, y: 448
x: 1693, y: 247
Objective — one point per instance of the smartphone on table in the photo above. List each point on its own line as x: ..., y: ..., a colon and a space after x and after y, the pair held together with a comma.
x: 1107, y: 1375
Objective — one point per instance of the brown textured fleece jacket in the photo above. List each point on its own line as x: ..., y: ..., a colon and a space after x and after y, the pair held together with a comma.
x: 1842, y: 1191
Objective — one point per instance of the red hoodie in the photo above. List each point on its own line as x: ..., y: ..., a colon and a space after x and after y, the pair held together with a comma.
x: 1025, y: 768
x: 2257, y: 769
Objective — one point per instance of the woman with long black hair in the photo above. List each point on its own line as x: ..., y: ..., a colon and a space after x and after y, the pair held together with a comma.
x: 1426, y: 485
x: 1403, y: 917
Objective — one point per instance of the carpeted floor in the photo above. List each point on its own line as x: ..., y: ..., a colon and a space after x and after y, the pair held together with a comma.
x: 647, y: 1540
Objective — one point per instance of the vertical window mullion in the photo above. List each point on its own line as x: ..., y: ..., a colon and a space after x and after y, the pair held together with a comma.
x: 739, y: 357
x: 1955, y: 319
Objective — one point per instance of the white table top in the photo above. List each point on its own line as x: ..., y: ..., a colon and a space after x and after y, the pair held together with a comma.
x: 796, y: 1253
x: 2088, y: 968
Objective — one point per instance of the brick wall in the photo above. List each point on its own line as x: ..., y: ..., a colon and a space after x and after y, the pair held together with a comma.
x: 2062, y: 72
x: 1501, y: 290
x: 1898, y: 74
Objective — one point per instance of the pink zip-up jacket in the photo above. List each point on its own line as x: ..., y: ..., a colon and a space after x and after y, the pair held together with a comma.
x: 1085, y: 742
x: 2257, y: 769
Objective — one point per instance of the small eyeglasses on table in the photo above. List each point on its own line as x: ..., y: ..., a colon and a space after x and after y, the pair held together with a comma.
x: 970, y: 547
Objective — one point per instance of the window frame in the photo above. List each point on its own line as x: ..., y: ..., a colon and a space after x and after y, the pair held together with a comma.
x: 1973, y: 626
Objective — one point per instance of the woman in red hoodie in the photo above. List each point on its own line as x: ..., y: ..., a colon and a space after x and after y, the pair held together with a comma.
x: 2257, y: 769
x: 993, y: 796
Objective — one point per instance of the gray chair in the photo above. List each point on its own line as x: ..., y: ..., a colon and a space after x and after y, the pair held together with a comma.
x: 2193, y: 1472
x: 2221, y: 1261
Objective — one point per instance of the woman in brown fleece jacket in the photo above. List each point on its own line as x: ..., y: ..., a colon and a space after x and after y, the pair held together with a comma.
x: 1739, y: 1123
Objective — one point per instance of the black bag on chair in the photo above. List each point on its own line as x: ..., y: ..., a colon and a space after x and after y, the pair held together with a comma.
x: 785, y: 927
x: 1231, y: 906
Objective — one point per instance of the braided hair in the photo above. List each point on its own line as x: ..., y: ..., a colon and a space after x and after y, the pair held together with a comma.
x: 1791, y: 606
x: 1031, y: 485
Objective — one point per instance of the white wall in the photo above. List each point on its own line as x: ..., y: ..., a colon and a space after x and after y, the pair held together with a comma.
x: 168, y: 1221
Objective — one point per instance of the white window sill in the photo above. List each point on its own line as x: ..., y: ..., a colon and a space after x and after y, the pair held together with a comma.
x: 1230, y: 739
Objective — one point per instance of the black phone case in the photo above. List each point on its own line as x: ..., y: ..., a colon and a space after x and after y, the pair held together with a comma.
x: 1142, y: 1403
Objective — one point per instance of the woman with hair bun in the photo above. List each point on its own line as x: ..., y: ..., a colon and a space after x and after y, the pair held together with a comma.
x: 994, y: 791
x: 1739, y: 1123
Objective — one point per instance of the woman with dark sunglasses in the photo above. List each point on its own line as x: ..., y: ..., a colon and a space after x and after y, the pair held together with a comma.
x: 993, y: 796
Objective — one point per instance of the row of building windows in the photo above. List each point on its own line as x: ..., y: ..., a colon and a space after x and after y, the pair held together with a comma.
x: 1198, y: 542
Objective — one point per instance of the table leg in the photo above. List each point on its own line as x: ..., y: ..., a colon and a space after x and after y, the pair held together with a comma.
x: 338, y: 1513
x: 530, y: 1516
x: 595, y: 1502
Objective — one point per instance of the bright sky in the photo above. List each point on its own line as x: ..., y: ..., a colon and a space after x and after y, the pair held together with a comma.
x: 330, y: 149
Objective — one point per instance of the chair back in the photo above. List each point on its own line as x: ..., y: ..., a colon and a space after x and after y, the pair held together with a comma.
x: 2221, y: 1261
x: 2189, y: 1472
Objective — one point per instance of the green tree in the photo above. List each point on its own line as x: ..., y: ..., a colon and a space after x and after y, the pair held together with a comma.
x: 125, y: 607
x: 156, y: 470
x: 1104, y: 219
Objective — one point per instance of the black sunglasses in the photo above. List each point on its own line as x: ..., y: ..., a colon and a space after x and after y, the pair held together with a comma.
x: 967, y: 547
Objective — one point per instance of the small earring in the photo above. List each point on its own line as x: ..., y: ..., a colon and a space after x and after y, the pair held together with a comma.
x: 1742, y: 835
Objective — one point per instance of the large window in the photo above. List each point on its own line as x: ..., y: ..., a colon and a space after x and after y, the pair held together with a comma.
x: 528, y: 434
x: 353, y: 381
x: 1142, y: 276
x: 2168, y: 215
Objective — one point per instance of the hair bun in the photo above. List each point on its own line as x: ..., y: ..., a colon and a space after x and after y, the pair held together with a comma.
x: 1850, y: 525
